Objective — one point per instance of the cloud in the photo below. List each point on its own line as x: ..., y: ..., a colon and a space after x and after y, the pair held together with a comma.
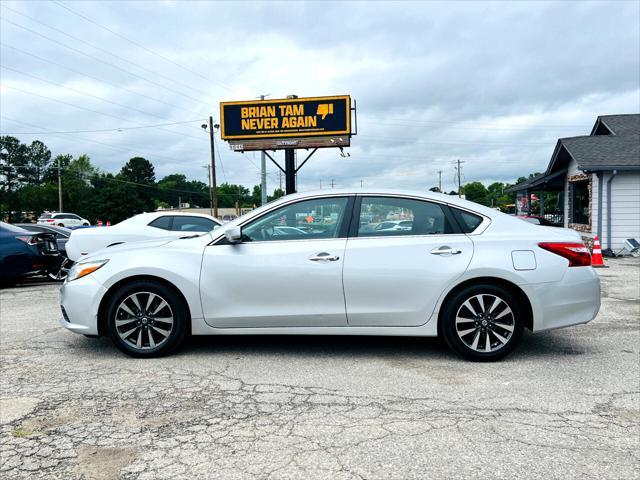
x: 494, y: 84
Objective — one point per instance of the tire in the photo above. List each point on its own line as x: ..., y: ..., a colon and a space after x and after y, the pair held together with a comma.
x: 61, y: 225
x: 152, y: 330
x: 85, y: 224
x: 478, y: 312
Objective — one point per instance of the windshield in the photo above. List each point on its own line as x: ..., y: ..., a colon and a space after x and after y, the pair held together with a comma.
x: 6, y: 227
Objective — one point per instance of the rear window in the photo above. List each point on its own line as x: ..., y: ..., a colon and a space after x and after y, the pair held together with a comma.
x: 45, y: 215
x: 7, y: 227
x: 192, y: 224
x: 468, y: 221
x: 163, y: 223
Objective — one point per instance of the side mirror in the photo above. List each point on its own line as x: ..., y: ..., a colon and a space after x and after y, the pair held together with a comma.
x: 234, y: 235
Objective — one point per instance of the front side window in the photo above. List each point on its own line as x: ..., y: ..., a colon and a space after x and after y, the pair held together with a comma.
x: 192, y: 224
x: 307, y: 220
x: 386, y: 216
x: 163, y: 223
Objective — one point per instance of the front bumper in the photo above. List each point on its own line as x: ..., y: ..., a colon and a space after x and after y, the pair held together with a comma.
x: 80, y: 301
x: 574, y: 300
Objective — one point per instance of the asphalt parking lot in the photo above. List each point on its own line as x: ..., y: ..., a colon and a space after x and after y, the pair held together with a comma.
x: 565, y: 405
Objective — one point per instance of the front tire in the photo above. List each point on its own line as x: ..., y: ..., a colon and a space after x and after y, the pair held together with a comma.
x: 482, y: 322
x: 146, y: 318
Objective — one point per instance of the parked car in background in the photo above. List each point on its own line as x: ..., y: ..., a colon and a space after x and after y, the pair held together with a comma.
x: 24, y: 253
x: 475, y: 276
x: 146, y: 226
x: 62, y: 235
x: 62, y: 219
x: 536, y: 220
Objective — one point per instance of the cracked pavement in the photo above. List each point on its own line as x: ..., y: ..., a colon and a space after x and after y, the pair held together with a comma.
x: 565, y: 404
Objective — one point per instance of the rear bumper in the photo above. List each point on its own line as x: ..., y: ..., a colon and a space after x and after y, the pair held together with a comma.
x: 80, y: 300
x: 574, y: 300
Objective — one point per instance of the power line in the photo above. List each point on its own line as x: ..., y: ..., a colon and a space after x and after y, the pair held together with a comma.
x: 5, y: 45
x: 96, y: 47
x: 75, y: 90
x: 103, y: 61
x: 498, y: 143
x: 139, y: 45
x: 113, y: 147
x: 104, y: 129
x: 491, y: 126
x: 89, y: 109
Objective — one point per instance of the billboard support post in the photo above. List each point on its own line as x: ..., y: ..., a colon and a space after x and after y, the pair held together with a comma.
x: 289, y: 171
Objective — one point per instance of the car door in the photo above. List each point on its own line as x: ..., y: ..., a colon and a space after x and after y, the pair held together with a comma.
x: 394, y: 277
x: 280, y: 277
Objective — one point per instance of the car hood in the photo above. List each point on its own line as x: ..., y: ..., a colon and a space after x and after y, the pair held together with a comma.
x: 132, y: 246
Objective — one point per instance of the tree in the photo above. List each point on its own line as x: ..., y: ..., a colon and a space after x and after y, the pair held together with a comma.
x: 277, y: 193
x: 13, y: 161
x: 476, y: 192
x: 229, y: 194
x: 140, y: 174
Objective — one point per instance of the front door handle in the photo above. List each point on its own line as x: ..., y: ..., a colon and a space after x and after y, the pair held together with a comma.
x: 324, y: 257
x: 446, y: 250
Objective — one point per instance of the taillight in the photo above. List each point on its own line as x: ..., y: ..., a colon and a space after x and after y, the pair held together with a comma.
x: 577, y: 254
x: 29, y: 240
x: 50, y: 220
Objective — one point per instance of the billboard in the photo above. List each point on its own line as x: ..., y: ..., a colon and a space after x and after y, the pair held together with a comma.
x: 299, y: 118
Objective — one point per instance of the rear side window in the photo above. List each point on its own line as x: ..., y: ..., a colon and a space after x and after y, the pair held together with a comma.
x: 468, y: 221
x: 192, y: 224
x: 393, y: 217
x: 163, y: 223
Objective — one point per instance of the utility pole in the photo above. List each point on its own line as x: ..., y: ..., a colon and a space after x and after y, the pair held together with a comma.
x: 214, y: 190
x: 263, y: 172
x: 459, y: 169
x: 440, y: 180
x: 332, y: 183
x: 361, y: 183
x: 208, y: 167
x: 59, y: 187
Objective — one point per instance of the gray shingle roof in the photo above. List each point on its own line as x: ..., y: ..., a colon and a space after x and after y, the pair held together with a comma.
x: 622, y: 125
x: 604, y: 151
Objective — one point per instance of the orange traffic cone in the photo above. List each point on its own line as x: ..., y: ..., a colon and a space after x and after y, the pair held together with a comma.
x: 108, y: 223
x: 596, y: 256
x: 99, y: 223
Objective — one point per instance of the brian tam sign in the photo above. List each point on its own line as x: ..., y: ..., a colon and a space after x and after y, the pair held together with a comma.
x: 294, y: 117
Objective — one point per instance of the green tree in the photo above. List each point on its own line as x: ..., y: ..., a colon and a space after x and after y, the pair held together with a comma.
x: 229, y: 194
x: 277, y: 193
x: 13, y: 161
x: 140, y: 174
x: 476, y: 192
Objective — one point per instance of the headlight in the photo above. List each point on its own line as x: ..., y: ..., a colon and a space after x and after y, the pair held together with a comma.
x: 83, y: 269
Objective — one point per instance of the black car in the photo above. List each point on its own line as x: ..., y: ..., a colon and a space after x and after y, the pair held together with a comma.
x: 24, y: 253
x: 62, y: 234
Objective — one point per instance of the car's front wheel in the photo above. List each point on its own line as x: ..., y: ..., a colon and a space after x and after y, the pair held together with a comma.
x: 482, y: 322
x: 146, y: 319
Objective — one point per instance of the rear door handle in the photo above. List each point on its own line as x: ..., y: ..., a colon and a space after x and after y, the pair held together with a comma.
x: 324, y: 257
x: 446, y: 250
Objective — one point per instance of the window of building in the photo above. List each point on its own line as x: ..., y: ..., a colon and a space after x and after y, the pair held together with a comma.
x: 580, y: 202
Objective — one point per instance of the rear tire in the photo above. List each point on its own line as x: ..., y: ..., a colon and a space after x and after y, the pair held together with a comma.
x: 61, y: 225
x: 482, y: 322
x: 146, y: 319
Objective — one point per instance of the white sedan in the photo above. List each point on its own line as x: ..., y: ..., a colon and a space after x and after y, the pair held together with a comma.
x: 473, y: 275
x: 146, y: 226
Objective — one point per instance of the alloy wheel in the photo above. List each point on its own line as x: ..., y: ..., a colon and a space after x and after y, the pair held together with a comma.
x: 144, y: 320
x: 485, y: 323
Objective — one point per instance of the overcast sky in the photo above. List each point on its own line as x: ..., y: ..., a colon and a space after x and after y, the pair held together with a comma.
x: 492, y: 84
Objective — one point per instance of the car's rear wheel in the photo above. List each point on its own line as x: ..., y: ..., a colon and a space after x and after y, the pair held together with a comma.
x: 61, y: 225
x: 146, y: 319
x: 482, y: 322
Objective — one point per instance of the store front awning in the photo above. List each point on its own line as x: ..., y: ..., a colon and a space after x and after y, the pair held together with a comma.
x: 552, y: 182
